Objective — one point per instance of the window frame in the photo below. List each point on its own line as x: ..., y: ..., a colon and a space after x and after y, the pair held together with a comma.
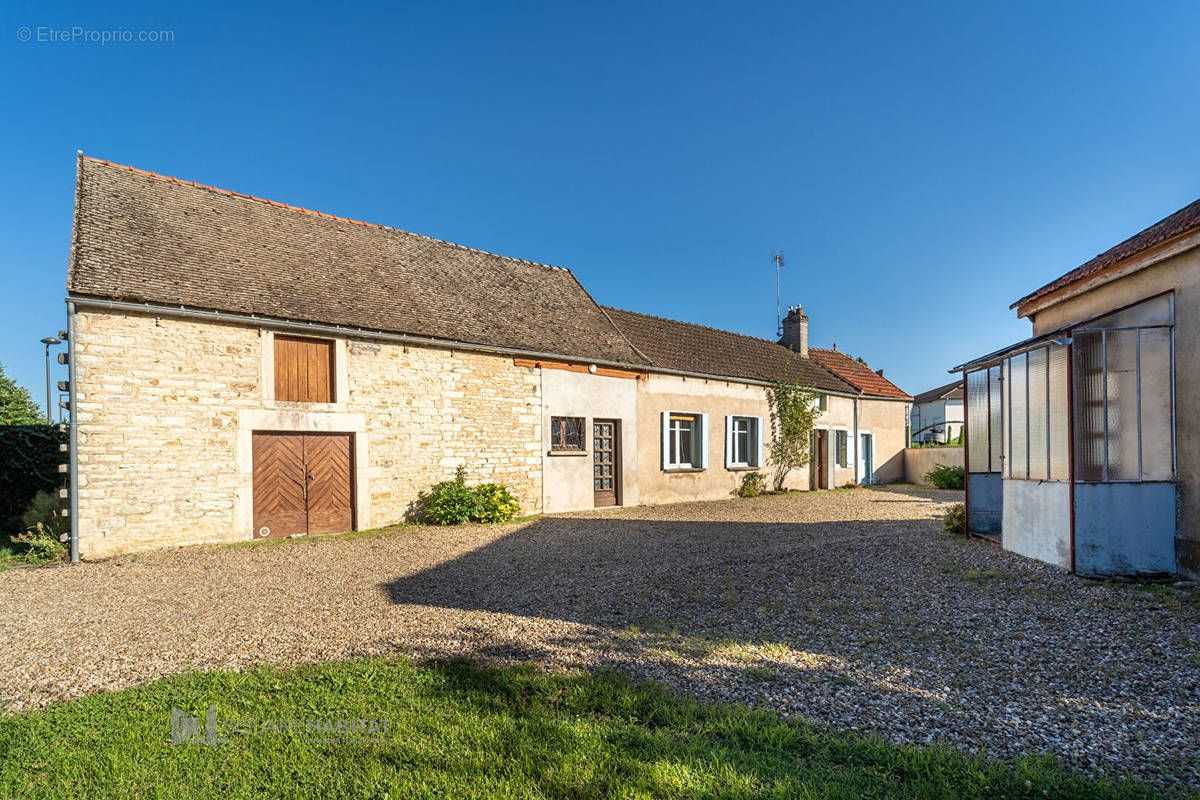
x: 753, y: 455
x: 276, y: 386
x: 558, y: 423
x: 1104, y: 332
x: 672, y: 440
x: 841, y: 448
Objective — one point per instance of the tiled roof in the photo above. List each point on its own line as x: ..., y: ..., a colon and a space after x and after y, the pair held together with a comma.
x: 147, y: 238
x: 858, y: 375
x: 686, y: 347
x: 951, y: 391
x: 1183, y: 221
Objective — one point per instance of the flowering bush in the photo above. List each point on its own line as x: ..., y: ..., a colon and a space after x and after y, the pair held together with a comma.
x: 453, y: 502
x: 41, y: 544
x: 496, y: 503
x: 794, y: 411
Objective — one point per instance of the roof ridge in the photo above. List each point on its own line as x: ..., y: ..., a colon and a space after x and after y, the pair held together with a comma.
x: 811, y: 362
x: 313, y: 212
x: 698, y: 325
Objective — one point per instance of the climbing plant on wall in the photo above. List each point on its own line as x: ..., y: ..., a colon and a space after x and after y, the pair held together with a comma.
x: 794, y: 412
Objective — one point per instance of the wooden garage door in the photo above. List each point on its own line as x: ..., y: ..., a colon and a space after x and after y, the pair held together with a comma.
x: 303, y: 483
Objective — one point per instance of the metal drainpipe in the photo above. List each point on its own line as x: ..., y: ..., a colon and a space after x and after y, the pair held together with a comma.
x: 73, y: 433
x: 857, y: 455
x: 1071, y: 446
x: 966, y: 440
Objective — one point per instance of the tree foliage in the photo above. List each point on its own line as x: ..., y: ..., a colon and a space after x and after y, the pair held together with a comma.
x: 16, y: 403
x: 794, y: 412
x: 29, y: 459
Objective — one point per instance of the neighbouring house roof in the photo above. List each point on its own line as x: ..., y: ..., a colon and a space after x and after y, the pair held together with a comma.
x: 148, y: 238
x: 1183, y: 221
x: 687, y: 347
x: 951, y: 391
x: 857, y: 374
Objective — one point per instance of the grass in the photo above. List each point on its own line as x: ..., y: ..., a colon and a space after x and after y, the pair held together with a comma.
x: 985, y: 576
x: 458, y: 730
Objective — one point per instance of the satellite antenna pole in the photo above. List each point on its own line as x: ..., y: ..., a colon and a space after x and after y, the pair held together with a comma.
x: 778, y: 259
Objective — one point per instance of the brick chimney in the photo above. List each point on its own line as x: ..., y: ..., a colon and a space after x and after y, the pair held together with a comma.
x: 879, y: 372
x: 795, y: 331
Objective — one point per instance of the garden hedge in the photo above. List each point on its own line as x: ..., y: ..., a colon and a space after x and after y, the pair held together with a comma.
x: 29, y: 459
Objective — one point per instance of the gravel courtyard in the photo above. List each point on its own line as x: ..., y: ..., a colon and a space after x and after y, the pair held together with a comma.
x: 847, y: 607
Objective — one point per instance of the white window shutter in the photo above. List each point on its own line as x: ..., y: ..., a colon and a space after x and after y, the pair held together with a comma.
x: 850, y: 446
x: 758, y: 436
x: 666, y: 439
x: 703, y: 441
x: 728, y: 441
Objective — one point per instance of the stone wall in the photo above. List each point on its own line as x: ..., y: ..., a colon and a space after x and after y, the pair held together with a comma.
x: 165, y: 408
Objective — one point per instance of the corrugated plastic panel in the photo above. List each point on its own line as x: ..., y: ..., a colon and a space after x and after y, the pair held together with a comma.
x: 977, y: 422
x: 1039, y: 432
x: 1018, y: 420
x: 1059, y: 411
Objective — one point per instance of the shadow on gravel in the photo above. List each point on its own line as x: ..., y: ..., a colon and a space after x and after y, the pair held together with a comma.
x: 838, y: 620
x: 746, y: 577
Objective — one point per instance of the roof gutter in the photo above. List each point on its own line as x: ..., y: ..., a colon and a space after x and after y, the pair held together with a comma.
x: 184, y: 312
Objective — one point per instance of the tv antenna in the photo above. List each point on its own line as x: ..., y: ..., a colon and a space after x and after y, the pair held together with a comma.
x: 778, y: 259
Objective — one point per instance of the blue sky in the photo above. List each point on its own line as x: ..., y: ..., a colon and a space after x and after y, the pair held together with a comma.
x: 920, y: 165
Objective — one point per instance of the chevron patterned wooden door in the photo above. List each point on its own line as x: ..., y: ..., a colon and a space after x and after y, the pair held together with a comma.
x: 303, y: 483
x: 327, y: 459
x: 279, y: 485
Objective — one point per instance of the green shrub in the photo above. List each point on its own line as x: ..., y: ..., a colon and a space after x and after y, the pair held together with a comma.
x: 46, y: 511
x: 753, y: 484
x: 29, y: 459
x: 453, y: 502
x: 955, y: 520
x: 945, y: 477
x: 496, y: 503
x: 46, y: 529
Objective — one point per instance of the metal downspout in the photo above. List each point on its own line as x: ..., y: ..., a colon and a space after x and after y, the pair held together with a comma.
x: 966, y: 438
x: 857, y: 455
x: 73, y: 433
x: 1071, y: 447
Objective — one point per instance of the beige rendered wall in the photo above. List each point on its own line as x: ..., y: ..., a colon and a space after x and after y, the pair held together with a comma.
x: 659, y: 393
x: 166, y: 409
x: 1182, y: 275
x: 885, y: 419
x: 567, y: 477
x: 838, y: 416
x: 919, y: 460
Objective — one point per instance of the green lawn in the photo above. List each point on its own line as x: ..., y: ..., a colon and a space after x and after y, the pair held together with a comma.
x: 458, y: 730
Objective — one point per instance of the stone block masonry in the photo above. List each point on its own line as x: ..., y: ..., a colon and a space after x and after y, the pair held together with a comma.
x: 161, y: 404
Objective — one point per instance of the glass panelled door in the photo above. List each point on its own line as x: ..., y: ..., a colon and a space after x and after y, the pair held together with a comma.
x: 605, y: 461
